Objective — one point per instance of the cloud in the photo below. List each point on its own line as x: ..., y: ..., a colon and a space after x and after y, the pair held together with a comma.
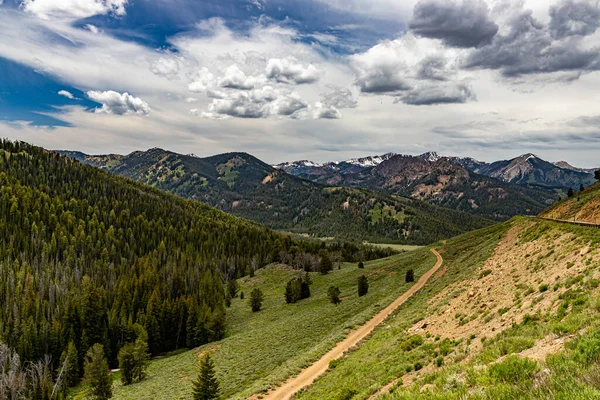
x: 66, y: 94
x: 463, y: 23
x: 289, y: 70
x: 119, y: 104
x: 416, y: 71
x: 165, y: 66
x: 430, y: 94
x: 257, y: 103
x: 235, y: 78
x: 92, y: 28
x: 326, y: 111
x: 574, y: 18
x: 527, y: 46
x: 78, y: 9
x: 339, y: 97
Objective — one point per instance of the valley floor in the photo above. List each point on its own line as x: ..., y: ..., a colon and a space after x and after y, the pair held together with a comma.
x: 513, y: 313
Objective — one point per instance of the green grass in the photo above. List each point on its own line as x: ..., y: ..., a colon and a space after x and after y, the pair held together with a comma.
x: 263, y: 349
x: 383, y: 357
x: 496, y: 373
x: 396, y: 247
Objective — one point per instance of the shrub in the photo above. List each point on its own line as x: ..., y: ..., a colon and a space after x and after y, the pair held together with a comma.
x: 485, y: 273
x: 587, y: 349
x: 412, y: 343
x: 361, y: 265
x: 543, y: 288
x: 334, y: 295
x: 346, y: 394
x: 513, y: 370
x: 410, y: 276
x: 418, y: 366
x: 439, y: 361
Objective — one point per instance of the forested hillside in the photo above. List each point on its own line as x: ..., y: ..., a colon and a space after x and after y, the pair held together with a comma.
x: 243, y: 185
x: 88, y: 257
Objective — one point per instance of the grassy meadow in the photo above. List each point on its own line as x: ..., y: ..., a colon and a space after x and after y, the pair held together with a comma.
x: 264, y: 348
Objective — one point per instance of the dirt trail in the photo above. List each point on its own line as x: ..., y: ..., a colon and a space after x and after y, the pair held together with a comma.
x: 308, y: 375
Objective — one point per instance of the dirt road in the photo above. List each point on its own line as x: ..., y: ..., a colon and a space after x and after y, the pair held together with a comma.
x: 308, y: 375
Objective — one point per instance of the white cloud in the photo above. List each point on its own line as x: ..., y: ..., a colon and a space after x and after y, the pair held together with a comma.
x: 326, y: 111
x: 257, y: 103
x: 92, y: 28
x: 191, y: 100
x: 119, y: 104
x: 47, y: 9
x: 165, y: 66
x: 235, y: 78
x: 66, y: 94
x: 203, y: 81
x: 289, y: 70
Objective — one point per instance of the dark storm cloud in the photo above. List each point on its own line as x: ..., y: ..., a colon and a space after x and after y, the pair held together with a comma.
x: 438, y: 94
x: 527, y: 47
x: 457, y: 24
x: 382, y: 79
x: 574, y: 18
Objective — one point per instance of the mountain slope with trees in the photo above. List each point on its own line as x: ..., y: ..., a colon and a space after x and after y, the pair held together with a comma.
x: 90, y: 258
x: 242, y: 185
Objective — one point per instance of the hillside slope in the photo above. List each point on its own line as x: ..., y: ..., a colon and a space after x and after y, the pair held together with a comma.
x: 242, y: 185
x: 583, y: 207
x: 513, y: 315
x: 87, y: 257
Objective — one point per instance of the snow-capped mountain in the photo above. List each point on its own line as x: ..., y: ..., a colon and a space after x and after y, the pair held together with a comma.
x: 370, y: 161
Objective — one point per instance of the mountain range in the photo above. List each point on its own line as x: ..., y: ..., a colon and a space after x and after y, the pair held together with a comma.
x: 390, y: 197
x: 526, y: 169
x: 243, y: 185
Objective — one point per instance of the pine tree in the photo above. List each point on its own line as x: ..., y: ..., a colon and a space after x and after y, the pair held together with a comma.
x: 206, y: 386
x: 325, y: 266
x: 126, y: 359
x: 363, y: 285
x: 581, y: 188
x: 233, y: 287
x: 97, y: 374
x: 410, y: 276
x: 70, y: 360
x: 256, y: 299
x: 597, y: 175
x: 570, y: 192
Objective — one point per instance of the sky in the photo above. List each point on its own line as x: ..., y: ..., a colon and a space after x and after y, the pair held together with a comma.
x: 305, y: 79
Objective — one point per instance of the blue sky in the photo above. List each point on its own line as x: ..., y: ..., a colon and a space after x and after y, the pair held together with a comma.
x: 316, y: 79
